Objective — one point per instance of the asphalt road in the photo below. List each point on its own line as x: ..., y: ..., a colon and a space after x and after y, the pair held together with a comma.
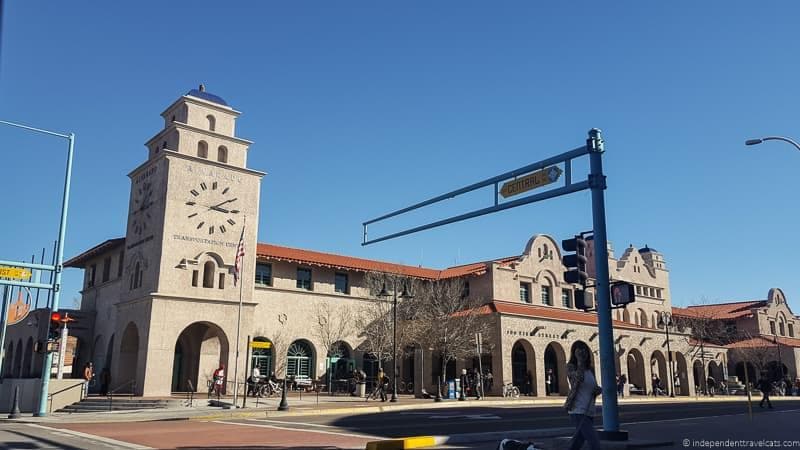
x: 480, y: 420
x: 672, y: 420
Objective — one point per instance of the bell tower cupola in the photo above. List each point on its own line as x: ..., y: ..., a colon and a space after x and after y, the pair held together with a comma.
x: 202, y: 125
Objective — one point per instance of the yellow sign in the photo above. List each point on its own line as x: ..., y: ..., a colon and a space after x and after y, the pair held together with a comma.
x: 15, y: 273
x: 536, y: 179
x: 260, y: 344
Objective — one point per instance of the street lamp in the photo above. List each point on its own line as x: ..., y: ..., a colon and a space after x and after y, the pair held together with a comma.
x: 665, y: 321
x: 772, y: 138
x: 404, y: 295
x: 56, y: 286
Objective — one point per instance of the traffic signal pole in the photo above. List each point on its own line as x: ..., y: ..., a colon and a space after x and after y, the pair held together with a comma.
x: 597, y: 184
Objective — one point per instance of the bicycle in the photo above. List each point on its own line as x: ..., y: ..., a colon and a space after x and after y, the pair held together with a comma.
x: 509, y: 390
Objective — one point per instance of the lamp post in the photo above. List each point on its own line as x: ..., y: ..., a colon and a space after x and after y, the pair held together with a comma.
x: 772, y: 138
x: 404, y: 295
x: 62, y: 228
x: 665, y: 320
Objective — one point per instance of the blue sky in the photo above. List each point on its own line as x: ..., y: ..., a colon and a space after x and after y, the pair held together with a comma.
x: 359, y: 108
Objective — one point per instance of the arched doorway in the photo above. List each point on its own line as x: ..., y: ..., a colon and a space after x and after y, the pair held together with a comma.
x: 658, y: 367
x: 407, y: 361
x: 682, y: 374
x: 636, y: 372
x: 699, y: 377
x: 199, y: 350
x: 27, y: 369
x: 263, y: 356
x: 300, y: 359
x: 519, y: 367
x: 128, y: 355
x: 715, y: 372
x: 555, y: 369
x: 776, y: 370
x: 17, y: 373
x: 341, y: 361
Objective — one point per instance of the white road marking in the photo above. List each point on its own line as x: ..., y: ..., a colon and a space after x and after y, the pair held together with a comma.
x: 704, y: 417
x: 284, y: 422
x: 363, y: 436
x: 113, y: 443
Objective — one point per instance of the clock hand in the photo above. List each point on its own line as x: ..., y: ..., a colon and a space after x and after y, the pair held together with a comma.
x: 226, y: 201
x: 217, y: 208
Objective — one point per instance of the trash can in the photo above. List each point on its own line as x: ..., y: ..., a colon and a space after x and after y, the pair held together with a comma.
x: 361, y: 389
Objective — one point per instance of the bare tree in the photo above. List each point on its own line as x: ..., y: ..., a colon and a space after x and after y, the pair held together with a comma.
x: 375, y: 318
x: 332, y: 326
x: 704, y: 324
x: 446, y: 320
x: 280, y: 345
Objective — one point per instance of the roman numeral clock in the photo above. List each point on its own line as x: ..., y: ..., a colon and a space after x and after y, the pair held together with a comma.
x: 212, y: 207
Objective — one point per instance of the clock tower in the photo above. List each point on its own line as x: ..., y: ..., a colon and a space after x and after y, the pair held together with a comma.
x: 190, y: 203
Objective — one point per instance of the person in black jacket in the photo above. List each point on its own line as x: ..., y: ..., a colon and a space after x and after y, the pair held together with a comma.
x: 765, y: 386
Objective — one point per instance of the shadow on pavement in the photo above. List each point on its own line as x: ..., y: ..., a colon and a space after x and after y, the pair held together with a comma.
x: 26, y: 445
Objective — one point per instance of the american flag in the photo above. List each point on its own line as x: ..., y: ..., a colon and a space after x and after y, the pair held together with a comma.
x: 237, y: 267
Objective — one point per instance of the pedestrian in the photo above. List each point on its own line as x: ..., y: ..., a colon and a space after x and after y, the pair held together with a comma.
x: 381, y: 382
x: 677, y: 384
x: 489, y: 381
x: 656, y: 385
x: 765, y: 387
x: 219, y: 379
x: 105, y: 381
x: 623, y: 380
x: 528, y: 384
x: 478, y: 385
x: 583, y: 391
x: 548, y: 382
x: 88, y: 374
x: 711, y: 385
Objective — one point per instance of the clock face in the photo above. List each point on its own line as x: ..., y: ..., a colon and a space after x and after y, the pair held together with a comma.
x: 142, y: 201
x: 212, y: 208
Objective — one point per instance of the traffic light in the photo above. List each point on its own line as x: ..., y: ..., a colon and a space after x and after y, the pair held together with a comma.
x: 54, y: 331
x: 622, y: 293
x: 584, y: 299
x: 575, y: 263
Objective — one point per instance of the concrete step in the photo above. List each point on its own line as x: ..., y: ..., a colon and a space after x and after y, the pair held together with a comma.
x: 96, y: 404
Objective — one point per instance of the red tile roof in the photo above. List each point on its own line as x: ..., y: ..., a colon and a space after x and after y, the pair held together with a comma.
x: 296, y: 255
x: 549, y: 312
x: 765, y: 341
x: 720, y: 311
x: 80, y: 260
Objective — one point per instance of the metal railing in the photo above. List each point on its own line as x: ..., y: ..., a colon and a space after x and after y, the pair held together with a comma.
x: 50, y: 396
x: 131, y: 383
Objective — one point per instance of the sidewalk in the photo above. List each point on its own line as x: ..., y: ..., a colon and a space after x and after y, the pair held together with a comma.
x: 310, y: 404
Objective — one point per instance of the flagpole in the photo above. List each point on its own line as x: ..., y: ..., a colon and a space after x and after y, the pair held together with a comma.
x: 238, y: 318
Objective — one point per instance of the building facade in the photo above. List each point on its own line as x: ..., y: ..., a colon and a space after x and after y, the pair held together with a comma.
x: 164, y: 308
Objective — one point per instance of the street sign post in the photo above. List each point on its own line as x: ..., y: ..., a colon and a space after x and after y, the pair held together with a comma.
x: 546, y: 172
x: 529, y: 182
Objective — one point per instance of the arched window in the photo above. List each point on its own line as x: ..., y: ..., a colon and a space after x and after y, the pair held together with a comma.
x: 202, y: 149
x: 212, y: 122
x: 208, y: 274
x: 299, y: 360
x: 643, y: 318
x: 222, y: 154
x: 781, y: 328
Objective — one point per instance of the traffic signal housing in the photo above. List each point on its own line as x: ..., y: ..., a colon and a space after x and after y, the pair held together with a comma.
x: 584, y: 299
x: 575, y: 263
x: 54, y: 329
x: 622, y: 293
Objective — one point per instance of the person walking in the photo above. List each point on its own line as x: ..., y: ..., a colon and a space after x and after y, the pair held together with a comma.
x: 765, y: 386
x: 656, y: 385
x: 548, y: 382
x: 381, y: 383
x: 583, y: 392
x: 529, y: 384
x: 88, y: 374
x: 622, y: 381
x: 218, y: 379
